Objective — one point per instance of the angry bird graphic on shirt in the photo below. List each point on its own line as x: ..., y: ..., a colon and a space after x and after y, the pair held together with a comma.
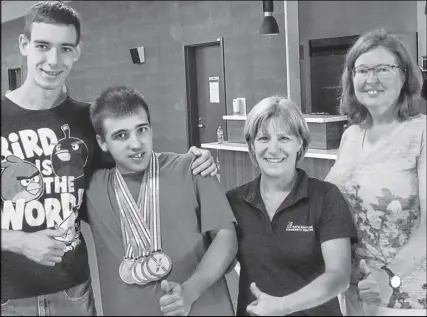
x: 20, y: 180
x: 69, y: 155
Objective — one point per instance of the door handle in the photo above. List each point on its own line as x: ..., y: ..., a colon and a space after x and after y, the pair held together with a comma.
x: 200, y: 125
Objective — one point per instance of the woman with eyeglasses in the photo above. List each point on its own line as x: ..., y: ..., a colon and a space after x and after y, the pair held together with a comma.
x: 381, y: 170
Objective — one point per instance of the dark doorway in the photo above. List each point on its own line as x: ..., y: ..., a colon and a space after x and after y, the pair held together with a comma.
x: 205, y: 82
x: 15, y: 77
x: 327, y: 57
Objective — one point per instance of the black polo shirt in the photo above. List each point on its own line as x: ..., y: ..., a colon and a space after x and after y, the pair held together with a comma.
x: 283, y: 255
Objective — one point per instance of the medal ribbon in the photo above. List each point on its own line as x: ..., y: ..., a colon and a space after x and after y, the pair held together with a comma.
x: 141, y: 221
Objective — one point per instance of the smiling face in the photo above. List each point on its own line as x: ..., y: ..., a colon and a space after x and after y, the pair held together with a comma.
x: 276, y: 149
x: 376, y: 94
x: 50, y: 53
x: 129, y: 140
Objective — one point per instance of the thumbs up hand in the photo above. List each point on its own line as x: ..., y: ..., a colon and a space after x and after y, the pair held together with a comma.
x: 364, y: 268
x: 374, y: 288
x: 167, y: 286
x: 264, y: 304
x: 176, y: 301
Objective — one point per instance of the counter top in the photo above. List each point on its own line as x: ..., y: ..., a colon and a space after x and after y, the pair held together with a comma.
x: 242, y: 147
x: 310, y: 118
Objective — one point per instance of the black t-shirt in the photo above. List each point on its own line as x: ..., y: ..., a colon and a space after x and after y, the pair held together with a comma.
x: 283, y: 255
x: 47, y: 157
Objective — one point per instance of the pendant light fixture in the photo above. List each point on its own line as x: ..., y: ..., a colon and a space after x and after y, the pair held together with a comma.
x: 269, y: 25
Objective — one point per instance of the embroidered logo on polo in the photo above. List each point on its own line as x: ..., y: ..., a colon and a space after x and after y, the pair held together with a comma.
x: 299, y: 228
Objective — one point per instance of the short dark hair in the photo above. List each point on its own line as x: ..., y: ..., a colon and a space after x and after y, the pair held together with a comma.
x: 410, y: 92
x: 52, y: 12
x: 116, y: 102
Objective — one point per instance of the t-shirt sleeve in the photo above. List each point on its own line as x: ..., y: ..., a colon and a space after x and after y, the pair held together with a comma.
x: 215, y: 211
x: 336, y: 220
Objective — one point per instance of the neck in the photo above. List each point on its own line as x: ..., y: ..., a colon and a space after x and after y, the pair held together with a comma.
x: 383, y: 118
x: 31, y: 96
x: 285, y: 183
x: 132, y: 175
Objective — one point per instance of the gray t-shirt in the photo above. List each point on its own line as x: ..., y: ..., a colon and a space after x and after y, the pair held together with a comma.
x: 190, y: 206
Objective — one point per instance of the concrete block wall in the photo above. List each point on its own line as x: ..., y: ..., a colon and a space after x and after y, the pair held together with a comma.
x: 111, y: 28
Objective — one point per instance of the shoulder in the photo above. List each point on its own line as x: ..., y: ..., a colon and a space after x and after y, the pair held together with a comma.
x: 418, y: 122
x: 8, y: 107
x: 98, y: 181
x: 173, y: 161
x: 242, y: 191
x: 175, y: 166
x: 79, y: 104
x: 352, y: 131
x: 322, y: 189
x: 76, y: 105
x: 413, y: 134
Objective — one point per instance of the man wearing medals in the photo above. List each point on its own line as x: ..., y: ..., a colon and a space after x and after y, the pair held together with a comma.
x: 45, y: 267
x: 164, y: 238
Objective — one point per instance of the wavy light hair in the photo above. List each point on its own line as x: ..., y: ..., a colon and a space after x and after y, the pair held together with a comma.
x: 409, y: 97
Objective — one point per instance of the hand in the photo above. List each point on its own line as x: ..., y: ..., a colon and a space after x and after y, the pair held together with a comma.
x: 204, y: 163
x: 42, y: 248
x: 177, y: 301
x: 264, y: 305
x: 375, y: 288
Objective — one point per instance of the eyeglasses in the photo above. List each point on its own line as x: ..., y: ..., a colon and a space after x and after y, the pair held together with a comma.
x: 380, y: 71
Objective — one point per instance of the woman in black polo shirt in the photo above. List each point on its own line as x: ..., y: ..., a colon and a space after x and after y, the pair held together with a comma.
x: 294, y: 231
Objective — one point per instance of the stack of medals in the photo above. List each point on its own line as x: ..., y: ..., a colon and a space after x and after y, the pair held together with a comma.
x: 144, y: 261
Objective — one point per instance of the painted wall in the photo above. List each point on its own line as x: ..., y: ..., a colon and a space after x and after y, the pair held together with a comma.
x: 110, y: 29
x: 324, y: 19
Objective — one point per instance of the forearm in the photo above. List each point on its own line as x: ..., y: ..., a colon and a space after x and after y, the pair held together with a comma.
x: 322, y: 289
x: 411, y: 255
x: 12, y: 240
x: 214, y: 263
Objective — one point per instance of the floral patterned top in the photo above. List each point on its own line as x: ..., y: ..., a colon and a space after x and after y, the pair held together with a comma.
x: 381, y: 186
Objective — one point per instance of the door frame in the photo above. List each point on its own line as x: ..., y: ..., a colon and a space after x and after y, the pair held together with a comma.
x: 191, y: 97
x: 293, y: 71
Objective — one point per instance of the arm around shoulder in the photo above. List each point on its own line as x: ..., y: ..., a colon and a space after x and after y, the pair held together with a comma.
x: 40, y: 247
x: 12, y: 240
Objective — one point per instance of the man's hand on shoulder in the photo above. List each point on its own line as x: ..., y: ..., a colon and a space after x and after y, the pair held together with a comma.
x: 204, y: 163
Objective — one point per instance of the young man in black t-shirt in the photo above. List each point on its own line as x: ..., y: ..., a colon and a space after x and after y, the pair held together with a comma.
x: 47, y: 155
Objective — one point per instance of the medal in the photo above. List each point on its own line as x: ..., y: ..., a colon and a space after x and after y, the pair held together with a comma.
x: 147, y: 274
x: 141, y: 228
x: 159, y: 264
x: 137, y: 276
x: 125, y: 271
